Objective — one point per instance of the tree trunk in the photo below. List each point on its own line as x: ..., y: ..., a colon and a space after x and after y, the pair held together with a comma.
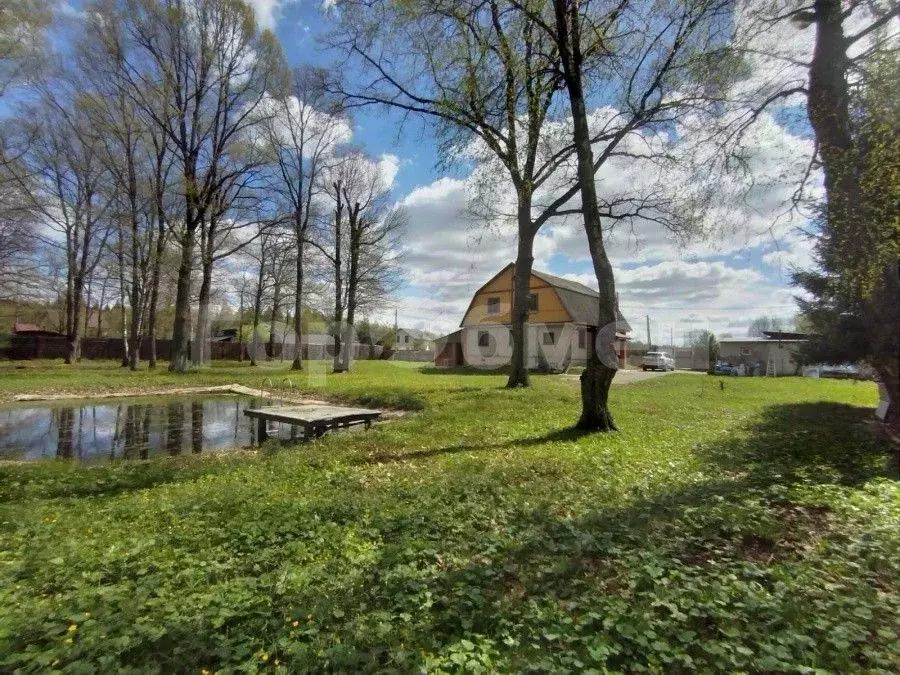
x: 276, y: 301
x: 180, y: 334
x: 337, y: 331
x: 200, y: 345
x: 151, y: 310
x: 257, y: 307
x: 297, y: 363
x: 518, y: 375
x: 602, y: 362
x: 240, y: 330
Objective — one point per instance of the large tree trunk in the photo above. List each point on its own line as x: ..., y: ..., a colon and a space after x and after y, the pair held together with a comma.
x: 518, y: 374
x: 151, y: 313
x: 297, y: 363
x: 74, y: 322
x: 602, y: 362
x: 337, y: 331
x: 257, y: 308
x: 123, y: 314
x: 181, y: 327
x: 200, y: 345
x: 276, y: 301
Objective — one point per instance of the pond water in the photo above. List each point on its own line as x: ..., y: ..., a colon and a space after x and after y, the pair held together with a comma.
x: 134, y: 428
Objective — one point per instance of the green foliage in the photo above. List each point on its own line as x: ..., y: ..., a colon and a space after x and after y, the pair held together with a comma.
x: 744, y: 529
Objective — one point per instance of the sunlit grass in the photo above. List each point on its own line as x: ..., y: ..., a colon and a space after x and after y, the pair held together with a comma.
x: 746, y: 528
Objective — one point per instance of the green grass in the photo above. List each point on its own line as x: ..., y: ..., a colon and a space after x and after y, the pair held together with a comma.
x: 751, y: 528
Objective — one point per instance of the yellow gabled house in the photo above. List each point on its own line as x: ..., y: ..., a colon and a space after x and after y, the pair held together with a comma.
x: 556, y: 332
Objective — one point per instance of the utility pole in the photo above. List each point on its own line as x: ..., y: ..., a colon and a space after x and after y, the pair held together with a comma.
x: 649, y: 346
x: 672, y: 339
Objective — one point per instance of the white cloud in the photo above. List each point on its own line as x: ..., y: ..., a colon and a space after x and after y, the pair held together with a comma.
x: 268, y: 12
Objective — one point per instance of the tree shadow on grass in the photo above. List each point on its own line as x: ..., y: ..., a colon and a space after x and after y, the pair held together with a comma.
x: 567, y: 434
x: 728, y: 572
x: 680, y: 578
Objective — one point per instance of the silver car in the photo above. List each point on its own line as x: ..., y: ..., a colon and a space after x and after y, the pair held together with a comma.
x: 657, y: 361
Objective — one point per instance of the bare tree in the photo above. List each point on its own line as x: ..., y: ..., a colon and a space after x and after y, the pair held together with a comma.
x: 66, y: 183
x: 209, y: 67
x: 482, y: 73
x: 360, y: 246
x: 301, y: 134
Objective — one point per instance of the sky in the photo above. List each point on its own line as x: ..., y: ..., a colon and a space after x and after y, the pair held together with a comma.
x: 740, y: 271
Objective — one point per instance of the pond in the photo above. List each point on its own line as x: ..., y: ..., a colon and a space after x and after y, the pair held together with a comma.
x: 133, y: 428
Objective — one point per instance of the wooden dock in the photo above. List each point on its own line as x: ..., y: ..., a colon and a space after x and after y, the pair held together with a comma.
x: 315, y: 420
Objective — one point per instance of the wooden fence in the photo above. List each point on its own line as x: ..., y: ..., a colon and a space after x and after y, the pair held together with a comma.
x: 24, y: 347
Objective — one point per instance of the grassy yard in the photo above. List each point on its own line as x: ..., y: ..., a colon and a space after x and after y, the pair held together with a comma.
x: 747, y: 528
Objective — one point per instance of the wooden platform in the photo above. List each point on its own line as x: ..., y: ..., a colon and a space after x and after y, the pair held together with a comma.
x: 315, y: 420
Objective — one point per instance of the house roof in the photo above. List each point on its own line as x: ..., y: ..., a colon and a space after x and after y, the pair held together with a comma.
x: 757, y: 340
x: 580, y: 301
x: 26, y: 328
x: 416, y: 334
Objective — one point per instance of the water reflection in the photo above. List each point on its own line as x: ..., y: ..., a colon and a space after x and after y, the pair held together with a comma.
x: 126, y: 429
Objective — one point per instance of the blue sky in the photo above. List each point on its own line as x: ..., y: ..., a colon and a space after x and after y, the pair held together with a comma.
x: 722, y: 282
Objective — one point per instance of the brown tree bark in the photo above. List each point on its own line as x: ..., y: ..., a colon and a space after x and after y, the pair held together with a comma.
x: 602, y: 362
x: 337, y: 362
x: 297, y: 363
x: 518, y: 374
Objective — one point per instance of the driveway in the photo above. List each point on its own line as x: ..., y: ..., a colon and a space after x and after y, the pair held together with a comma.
x: 629, y: 376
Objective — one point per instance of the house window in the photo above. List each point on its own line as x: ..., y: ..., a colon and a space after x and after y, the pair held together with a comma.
x: 582, y: 338
x: 484, y: 338
x: 550, y: 338
x: 493, y: 305
x: 745, y: 351
x: 533, y: 302
x: 406, y: 339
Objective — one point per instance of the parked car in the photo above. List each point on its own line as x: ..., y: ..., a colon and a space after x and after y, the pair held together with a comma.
x: 724, y: 368
x: 657, y: 361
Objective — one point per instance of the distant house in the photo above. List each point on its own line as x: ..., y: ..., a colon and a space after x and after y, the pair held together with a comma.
x: 775, y: 353
x: 31, y: 329
x: 408, y: 340
x: 557, y: 329
x: 226, y: 335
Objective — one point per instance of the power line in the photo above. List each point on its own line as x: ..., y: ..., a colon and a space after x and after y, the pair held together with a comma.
x: 695, y: 308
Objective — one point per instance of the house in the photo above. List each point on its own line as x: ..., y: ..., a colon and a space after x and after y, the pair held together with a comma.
x: 33, y: 330
x: 775, y: 353
x: 408, y: 340
x: 556, y: 336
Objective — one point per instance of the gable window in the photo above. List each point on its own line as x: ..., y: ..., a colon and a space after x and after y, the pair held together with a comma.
x: 484, y: 338
x: 533, y: 302
x: 550, y: 338
x: 582, y: 338
x: 493, y: 305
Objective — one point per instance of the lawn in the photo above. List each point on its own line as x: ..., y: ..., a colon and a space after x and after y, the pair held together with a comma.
x: 751, y: 527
